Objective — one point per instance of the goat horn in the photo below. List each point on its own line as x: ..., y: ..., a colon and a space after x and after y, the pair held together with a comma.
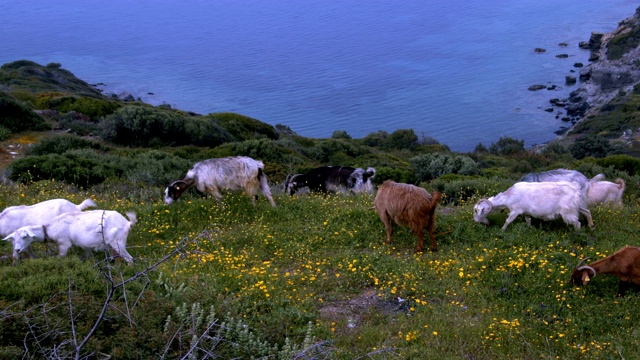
x: 587, y: 267
x: 581, y: 261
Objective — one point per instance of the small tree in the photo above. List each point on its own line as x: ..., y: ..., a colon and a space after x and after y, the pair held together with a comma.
x: 591, y: 145
x: 507, y: 146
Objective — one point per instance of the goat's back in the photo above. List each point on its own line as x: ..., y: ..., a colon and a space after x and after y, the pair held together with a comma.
x: 15, y: 217
x: 407, y: 204
x: 89, y: 229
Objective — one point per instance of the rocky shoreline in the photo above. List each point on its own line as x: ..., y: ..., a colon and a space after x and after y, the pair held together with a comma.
x: 611, y: 71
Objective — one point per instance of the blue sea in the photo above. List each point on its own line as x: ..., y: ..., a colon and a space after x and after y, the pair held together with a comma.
x: 456, y: 71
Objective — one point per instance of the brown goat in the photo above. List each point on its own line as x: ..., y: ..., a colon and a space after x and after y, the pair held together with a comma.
x: 624, y: 264
x: 409, y: 206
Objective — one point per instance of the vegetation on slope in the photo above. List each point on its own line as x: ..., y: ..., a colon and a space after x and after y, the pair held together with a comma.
x: 313, y: 277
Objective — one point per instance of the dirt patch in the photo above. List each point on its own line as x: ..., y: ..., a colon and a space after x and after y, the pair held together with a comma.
x: 351, y: 312
x: 15, y: 147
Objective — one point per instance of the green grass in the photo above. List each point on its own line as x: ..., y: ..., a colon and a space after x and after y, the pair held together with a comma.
x: 485, y: 294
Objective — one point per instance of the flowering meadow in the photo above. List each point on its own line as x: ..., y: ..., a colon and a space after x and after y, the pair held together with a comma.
x: 314, y: 278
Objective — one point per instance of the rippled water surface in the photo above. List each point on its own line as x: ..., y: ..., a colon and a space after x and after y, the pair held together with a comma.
x: 457, y: 71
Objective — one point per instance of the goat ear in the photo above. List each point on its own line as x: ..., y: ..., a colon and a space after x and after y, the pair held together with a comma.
x: 8, y: 237
x: 30, y: 233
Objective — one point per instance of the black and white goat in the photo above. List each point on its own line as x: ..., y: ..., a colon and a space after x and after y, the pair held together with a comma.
x: 234, y: 173
x: 328, y: 179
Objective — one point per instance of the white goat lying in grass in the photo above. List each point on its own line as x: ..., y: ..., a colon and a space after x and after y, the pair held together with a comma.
x: 91, y: 230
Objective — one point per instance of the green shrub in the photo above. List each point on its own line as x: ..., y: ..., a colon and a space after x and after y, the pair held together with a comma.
x: 91, y: 107
x: 626, y: 163
x: 243, y: 127
x: 460, y: 190
x: 388, y: 173
x: 507, y: 146
x: 155, y: 168
x: 4, y: 133
x: 431, y: 166
x: 81, y: 167
x: 59, y: 144
x: 591, y: 145
x: 18, y: 116
x: 147, y: 126
x: 340, y: 134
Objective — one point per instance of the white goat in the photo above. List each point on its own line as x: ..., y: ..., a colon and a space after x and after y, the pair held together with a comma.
x: 543, y: 200
x: 15, y: 217
x: 231, y: 173
x: 606, y: 192
x: 91, y: 230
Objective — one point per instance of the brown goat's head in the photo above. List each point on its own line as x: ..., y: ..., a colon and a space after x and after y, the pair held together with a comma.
x: 580, y: 275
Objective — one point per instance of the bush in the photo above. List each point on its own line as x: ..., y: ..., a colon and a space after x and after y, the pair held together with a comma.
x: 387, y: 173
x: 17, y: 116
x: 625, y: 163
x: 4, y: 133
x: 91, y: 107
x: 147, y: 126
x: 59, y: 144
x: 507, y: 146
x: 243, y: 127
x: 431, y: 166
x: 458, y: 191
x: 340, y: 134
x: 591, y: 145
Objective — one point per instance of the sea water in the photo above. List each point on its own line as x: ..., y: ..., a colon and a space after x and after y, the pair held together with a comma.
x: 455, y: 71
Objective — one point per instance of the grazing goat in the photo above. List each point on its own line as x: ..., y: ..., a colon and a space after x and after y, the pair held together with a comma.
x: 234, y: 173
x: 624, y: 264
x: 409, y: 206
x: 327, y: 179
x: 606, y: 192
x: 91, y: 230
x: 543, y: 200
x: 15, y: 217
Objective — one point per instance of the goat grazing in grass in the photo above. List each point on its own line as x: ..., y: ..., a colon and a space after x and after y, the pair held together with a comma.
x: 327, y: 179
x: 14, y: 217
x: 409, y: 206
x: 624, y: 264
x: 606, y: 192
x: 234, y: 173
x: 543, y: 200
x: 91, y: 230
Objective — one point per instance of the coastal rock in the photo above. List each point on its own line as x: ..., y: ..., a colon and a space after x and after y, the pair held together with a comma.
x: 536, y: 87
x: 610, y: 73
x: 570, y: 80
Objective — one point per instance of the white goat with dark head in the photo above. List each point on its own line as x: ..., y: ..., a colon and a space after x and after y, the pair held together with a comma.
x: 14, y: 217
x: 542, y: 200
x: 234, y: 173
x: 93, y: 230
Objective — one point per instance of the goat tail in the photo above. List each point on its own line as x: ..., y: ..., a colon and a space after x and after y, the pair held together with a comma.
x: 133, y: 219
x: 436, y: 198
x: 264, y: 185
x: 621, y: 184
x: 87, y: 203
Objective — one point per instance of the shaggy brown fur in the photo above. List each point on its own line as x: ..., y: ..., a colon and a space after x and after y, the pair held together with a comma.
x: 409, y: 206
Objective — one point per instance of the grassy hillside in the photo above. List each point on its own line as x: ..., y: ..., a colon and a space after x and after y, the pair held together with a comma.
x: 312, y: 277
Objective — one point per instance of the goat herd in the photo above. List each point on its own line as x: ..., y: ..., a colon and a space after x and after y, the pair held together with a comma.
x: 561, y: 193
